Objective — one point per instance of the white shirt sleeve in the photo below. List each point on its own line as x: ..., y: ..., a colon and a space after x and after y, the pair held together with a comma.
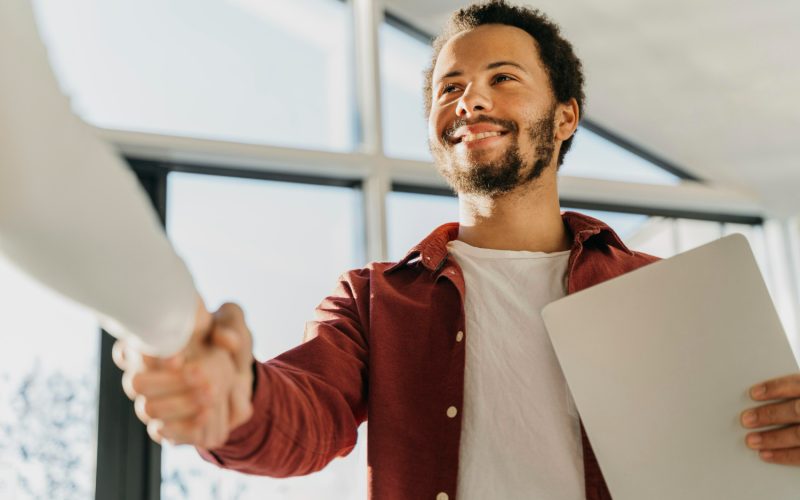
x: 72, y: 215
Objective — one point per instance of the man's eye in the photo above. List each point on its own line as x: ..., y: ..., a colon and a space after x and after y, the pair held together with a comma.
x: 448, y: 88
x: 502, y: 78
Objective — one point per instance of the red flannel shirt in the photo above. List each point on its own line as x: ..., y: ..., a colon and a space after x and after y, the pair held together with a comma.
x: 388, y: 344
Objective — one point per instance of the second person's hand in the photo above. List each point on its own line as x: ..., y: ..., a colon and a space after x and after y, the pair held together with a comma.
x: 200, y: 395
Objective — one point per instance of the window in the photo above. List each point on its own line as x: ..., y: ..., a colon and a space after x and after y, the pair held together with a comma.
x: 48, y: 393
x: 412, y: 216
x: 269, y: 72
x: 597, y: 158
x: 277, y: 249
x: 403, y: 60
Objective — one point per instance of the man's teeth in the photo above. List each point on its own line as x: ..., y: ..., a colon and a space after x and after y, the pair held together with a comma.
x: 482, y: 135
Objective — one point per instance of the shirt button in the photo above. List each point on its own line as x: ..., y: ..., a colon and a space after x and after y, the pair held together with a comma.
x: 452, y: 412
x: 459, y: 336
x: 442, y: 496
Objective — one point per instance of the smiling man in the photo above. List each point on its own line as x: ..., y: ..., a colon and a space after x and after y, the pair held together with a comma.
x: 445, y: 351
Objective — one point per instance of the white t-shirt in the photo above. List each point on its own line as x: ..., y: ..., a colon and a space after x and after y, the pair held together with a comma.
x: 520, y: 434
x: 72, y: 215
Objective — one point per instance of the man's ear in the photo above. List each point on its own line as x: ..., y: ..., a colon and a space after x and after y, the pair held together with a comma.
x: 567, y: 118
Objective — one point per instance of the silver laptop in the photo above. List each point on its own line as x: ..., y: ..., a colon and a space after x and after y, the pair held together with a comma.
x: 659, y: 362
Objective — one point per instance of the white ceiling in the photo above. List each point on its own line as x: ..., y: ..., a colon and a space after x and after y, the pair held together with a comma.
x: 710, y: 85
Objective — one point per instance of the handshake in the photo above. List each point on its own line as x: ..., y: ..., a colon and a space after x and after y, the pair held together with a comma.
x: 199, y: 395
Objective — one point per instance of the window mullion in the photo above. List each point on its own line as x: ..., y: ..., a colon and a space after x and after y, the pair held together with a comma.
x: 368, y: 16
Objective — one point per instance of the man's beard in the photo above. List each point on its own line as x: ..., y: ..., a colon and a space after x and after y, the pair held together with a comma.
x: 501, y: 176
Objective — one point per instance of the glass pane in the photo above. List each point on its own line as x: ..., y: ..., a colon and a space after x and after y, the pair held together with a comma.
x: 666, y: 237
x: 277, y: 249
x: 594, y: 157
x: 655, y: 237
x: 411, y: 217
x: 403, y: 59
x: 257, y: 71
x: 694, y: 233
x: 48, y: 393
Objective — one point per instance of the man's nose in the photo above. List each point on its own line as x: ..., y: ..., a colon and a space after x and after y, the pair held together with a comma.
x: 473, y: 101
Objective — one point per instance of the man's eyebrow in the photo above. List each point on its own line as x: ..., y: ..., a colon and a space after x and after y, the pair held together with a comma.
x: 505, y: 63
x: 450, y: 75
x: 493, y: 65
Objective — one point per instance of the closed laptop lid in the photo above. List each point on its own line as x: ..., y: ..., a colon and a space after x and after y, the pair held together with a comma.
x: 659, y: 362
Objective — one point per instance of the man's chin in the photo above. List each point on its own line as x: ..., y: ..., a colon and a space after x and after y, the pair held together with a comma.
x: 480, y: 179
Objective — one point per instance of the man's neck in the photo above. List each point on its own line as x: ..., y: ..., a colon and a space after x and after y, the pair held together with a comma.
x: 528, y: 218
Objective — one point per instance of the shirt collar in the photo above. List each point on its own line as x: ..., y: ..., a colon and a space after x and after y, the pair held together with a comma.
x: 432, y: 251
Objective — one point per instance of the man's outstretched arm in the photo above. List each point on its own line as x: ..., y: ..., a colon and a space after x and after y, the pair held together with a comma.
x: 307, y: 402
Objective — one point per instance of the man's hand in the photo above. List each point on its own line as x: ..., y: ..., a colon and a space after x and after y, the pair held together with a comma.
x: 781, y: 445
x: 200, y: 395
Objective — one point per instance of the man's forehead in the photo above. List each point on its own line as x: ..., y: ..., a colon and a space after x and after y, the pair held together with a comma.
x: 479, y: 47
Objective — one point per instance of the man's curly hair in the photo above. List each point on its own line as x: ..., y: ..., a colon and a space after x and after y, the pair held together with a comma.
x: 563, y: 66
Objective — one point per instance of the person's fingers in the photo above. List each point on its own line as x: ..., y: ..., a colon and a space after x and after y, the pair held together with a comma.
x: 157, y: 383
x: 212, y: 374
x: 786, y: 412
x: 118, y: 355
x: 231, y: 333
x: 187, y: 431
x: 788, y: 437
x: 217, y: 430
x: 151, y: 362
x: 778, y: 388
x: 218, y: 392
x: 230, y: 314
x: 174, y: 362
x: 218, y: 369
x: 789, y: 456
x: 127, y: 384
x: 241, y: 406
x: 226, y: 338
x: 180, y: 406
x: 225, y: 424
x: 139, y: 409
x: 154, y: 430
x: 195, y: 373
x: 209, y: 429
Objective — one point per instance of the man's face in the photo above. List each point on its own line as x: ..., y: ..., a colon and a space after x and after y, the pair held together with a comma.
x: 491, y: 126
